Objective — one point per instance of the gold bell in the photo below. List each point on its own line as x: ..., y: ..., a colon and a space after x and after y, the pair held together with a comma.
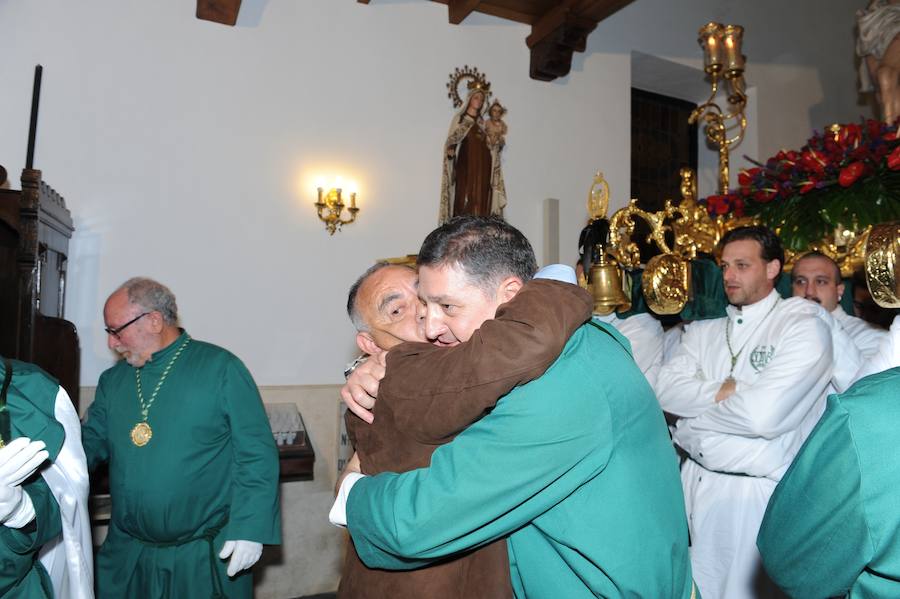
x: 606, y: 286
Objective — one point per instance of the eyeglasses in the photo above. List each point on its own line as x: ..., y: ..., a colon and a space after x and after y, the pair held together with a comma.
x: 115, y: 331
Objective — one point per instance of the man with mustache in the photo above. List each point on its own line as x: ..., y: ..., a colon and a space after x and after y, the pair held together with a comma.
x: 816, y: 277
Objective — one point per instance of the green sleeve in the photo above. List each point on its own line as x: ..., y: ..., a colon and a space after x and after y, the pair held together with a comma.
x: 45, y: 526
x: 255, y: 513
x: 498, y: 475
x: 814, y: 539
x: 94, y: 430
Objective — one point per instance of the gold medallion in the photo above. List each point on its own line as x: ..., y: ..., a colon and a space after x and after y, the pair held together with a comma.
x: 141, y: 434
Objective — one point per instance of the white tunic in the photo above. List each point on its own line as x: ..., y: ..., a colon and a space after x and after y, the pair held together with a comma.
x: 866, y: 335
x: 645, y: 334
x: 69, y: 559
x: 888, y: 353
x: 739, y: 448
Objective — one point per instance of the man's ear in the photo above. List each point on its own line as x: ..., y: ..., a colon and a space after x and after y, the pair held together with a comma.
x: 367, y: 344
x: 156, y: 322
x: 773, y: 267
x: 840, y: 292
x: 508, y: 288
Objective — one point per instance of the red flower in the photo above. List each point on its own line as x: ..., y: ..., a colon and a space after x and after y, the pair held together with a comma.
x: 808, y: 186
x: 745, y: 178
x: 737, y: 205
x: 893, y: 159
x: 813, y: 160
x: 764, y: 195
x: 716, y: 205
x: 850, y: 173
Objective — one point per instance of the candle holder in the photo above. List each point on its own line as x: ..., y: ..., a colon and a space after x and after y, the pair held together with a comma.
x: 330, y: 207
x: 722, y: 59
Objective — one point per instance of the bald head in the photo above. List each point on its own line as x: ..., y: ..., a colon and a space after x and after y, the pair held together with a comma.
x: 384, y: 306
x: 817, y: 278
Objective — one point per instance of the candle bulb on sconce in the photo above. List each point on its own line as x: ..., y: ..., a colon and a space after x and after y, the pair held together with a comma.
x: 734, y: 60
x: 723, y: 129
x: 709, y: 40
x: 330, y: 207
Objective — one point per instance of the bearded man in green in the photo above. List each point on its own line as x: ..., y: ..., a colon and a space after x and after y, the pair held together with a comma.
x: 193, y: 467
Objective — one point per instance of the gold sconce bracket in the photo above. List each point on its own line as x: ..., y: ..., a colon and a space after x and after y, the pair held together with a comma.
x: 330, y: 207
x: 722, y: 59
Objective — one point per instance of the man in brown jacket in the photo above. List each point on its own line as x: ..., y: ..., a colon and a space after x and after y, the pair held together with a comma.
x: 523, y: 340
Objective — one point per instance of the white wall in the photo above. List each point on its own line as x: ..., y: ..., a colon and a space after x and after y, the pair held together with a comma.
x: 187, y: 150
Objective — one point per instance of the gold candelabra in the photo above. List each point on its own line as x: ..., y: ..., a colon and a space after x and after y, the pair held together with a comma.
x: 722, y: 59
x: 330, y: 207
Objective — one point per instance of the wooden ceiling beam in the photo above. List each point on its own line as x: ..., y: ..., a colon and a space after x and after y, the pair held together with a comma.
x: 503, y: 12
x: 458, y: 10
x: 219, y: 11
x: 556, y: 32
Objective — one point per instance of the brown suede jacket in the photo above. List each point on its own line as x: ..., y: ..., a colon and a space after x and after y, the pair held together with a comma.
x: 424, y: 403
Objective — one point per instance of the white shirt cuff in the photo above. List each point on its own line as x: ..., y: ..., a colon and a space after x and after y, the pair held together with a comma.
x: 23, y: 514
x: 338, y: 513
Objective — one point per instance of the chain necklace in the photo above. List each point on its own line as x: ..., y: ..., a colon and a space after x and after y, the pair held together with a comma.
x: 735, y: 356
x: 142, y: 433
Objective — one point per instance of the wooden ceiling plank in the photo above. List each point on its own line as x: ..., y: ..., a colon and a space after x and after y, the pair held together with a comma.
x: 219, y: 11
x: 503, y: 12
x: 458, y: 10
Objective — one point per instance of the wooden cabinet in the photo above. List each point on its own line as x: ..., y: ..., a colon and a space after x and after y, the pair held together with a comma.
x: 35, y: 228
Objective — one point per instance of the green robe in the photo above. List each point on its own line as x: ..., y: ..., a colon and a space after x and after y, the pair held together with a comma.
x: 576, y: 467
x: 31, y: 399
x: 209, y: 474
x: 832, y: 525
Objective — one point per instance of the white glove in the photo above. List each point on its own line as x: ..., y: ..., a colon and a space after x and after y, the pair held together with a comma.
x: 16, y: 507
x: 243, y: 555
x: 18, y: 461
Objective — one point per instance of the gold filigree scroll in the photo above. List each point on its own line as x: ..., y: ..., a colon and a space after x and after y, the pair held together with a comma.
x: 847, y: 248
x: 882, y: 264
x: 666, y: 279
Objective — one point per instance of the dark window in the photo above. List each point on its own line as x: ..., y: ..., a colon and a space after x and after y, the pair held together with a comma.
x: 662, y: 143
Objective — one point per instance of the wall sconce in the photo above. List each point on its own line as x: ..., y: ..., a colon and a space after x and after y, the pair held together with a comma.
x: 722, y: 58
x: 330, y: 206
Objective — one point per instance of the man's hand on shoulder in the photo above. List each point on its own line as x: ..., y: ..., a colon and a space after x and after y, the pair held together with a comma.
x: 361, y: 388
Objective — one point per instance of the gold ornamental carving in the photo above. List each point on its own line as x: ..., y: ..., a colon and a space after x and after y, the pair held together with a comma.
x: 882, y: 264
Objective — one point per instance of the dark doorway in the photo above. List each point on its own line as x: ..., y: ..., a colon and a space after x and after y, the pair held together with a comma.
x: 662, y: 142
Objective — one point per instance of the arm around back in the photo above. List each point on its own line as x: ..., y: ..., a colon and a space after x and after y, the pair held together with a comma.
x: 443, y: 390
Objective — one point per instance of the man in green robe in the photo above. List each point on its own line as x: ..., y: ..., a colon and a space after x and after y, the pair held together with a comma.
x: 193, y: 467
x: 35, y: 414
x: 575, y: 466
x: 830, y: 528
